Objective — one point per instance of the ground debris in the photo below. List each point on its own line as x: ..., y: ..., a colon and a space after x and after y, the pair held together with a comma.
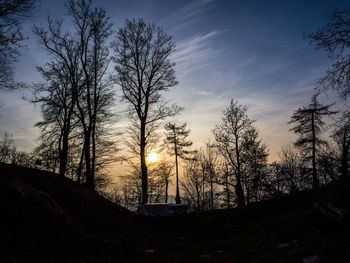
x: 312, y: 259
x: 329, y: 210
x: 285, y: 245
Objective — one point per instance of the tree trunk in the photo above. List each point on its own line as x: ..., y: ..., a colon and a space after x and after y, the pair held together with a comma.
x: 239, y: 188
x: 65, y: 138
x: 64, y: 153
x: 227, y: 190
x: 315, y: 181
x: 90, y: 182
x: 198, y: 196
x: 144, y: 175
x: 81, y: 161
x: 166, y: 191
x: 344, y: 157
x: 177, y: 198
x: 239, y: 192
x: 211, y: 191
x: 93, y: 153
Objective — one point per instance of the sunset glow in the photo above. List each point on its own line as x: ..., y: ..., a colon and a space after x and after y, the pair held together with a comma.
x: 152, y: 157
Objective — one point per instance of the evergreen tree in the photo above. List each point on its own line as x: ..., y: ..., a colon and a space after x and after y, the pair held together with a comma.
x: 308, y: 124
x: 177, y: 144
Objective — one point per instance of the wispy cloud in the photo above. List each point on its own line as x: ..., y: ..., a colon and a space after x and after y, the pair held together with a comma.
x: 188, y: 14
x: 194, y: 46
x: 194, y: 52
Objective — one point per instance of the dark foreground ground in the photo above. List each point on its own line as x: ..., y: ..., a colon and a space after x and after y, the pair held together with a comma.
x: 46, y: 218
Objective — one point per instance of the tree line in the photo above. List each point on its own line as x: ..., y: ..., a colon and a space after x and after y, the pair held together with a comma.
x: 78, y: 136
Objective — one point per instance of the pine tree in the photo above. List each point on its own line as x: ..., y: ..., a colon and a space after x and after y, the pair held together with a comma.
x: 308, y: 125
x: 177, y: 144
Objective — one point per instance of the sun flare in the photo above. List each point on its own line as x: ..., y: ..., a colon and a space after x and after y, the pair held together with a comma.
x: 152, y: 157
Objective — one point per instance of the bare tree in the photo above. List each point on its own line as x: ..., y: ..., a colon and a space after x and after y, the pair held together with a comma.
x: 254, y: 163
x: 131, y: 187
x: 308, y: 123
x: 291, y: 165
x: 58, y: 95
x: 328, y: 163
x: 334, y: 38
x: 12, y: 15
x: 175, y: 139
x: 46, y: 153
x: 164, y: 171
x: 131, y: 184
x: 193, y: 183
x: 93, y: 30
x: 224, y: 179
x: 229, y: 138
x: 276, y: 183
x: 208, y: 157
x: 144, y: 72
x: 7, y: 148
x: 77, y: 93
x: 58, y: 101
x: 341, y: 136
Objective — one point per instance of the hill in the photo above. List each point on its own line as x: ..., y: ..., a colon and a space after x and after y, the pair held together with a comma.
x: 47, y: 218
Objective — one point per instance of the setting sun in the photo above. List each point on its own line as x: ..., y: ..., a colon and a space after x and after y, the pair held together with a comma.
x: 152, y: 157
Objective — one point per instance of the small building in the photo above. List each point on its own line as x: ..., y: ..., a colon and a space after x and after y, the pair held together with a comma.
x: 162, y: 210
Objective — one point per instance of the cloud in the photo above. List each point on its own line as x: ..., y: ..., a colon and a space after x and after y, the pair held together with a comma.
x: 194, y: 46
x: 188, y: 14
x: 194, y: 52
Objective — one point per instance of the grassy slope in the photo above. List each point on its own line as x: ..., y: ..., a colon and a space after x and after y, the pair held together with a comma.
x: 46, y: 218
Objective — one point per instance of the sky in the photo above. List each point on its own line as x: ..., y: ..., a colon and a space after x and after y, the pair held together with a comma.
x: 252, y: 51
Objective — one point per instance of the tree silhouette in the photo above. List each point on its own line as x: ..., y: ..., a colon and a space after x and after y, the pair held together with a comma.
x: 7, y: 148
x: 334, y: 38
x: 144, y: 72
x: 175, y: 138
x: 57, y: 100
x: 76, y: 92
x: 291, y: 165
x: 12, y: 14
x: 341, y: 135
x: 254, y: 162
x: 164, y: 171
x: 193, y: 183
x: 229, y: 138
x: 308, y: 123
x: 208, y: 158
x: 96, y: 97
